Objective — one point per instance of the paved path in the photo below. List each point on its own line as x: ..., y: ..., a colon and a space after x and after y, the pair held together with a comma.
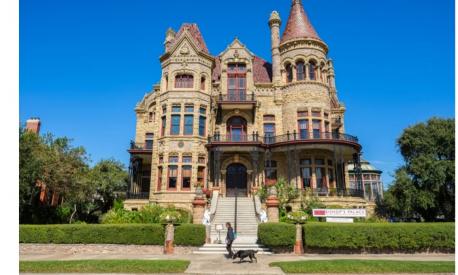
x: 200, y: 264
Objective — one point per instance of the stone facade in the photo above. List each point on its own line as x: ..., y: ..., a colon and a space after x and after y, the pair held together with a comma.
x: 234, y: 122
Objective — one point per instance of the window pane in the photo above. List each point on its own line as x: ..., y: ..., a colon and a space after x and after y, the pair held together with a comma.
x: 173, y: 159
x: 188, y: 124
x: 305, y: 162
x: 187, y: 159
x: 202, y: 121
x: 175, y: 130
x: 189, y: 108
x: 176, y: 108
x: 306, y: 177
x: 319, y: 161
x: 202, y: 110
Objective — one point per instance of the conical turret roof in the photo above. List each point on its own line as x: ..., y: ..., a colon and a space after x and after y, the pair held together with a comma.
x: 298, y: 25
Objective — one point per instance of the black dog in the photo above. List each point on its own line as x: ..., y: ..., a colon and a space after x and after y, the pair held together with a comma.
x: 242, y: 254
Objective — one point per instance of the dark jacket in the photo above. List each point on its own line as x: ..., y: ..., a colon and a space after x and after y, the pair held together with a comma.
x: 230, y: 234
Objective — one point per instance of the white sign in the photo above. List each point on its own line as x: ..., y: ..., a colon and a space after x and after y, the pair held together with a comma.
x: 339, y: 220
x: 218, y: 227
x: 340, y: 213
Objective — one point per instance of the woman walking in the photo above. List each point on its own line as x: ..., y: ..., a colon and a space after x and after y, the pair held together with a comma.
x: 229, y: 238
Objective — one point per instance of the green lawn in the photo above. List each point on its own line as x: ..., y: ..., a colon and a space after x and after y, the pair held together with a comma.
x: 104, y: 266
x: 365, y: 266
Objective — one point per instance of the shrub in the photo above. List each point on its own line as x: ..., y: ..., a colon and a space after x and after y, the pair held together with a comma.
x: 277, y: 234
x: 380, y: 237
x: 93, y: 234
x: 148, y: 214
x: 190, y: 235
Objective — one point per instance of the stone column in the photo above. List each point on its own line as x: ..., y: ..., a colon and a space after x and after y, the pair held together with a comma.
x: 169, y: 236
x: 272, y: 204
x: 198, y: 209
x: 298, y: 246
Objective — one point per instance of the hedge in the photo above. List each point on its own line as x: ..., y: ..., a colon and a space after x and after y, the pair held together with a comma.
x: 277, y: 234
x: 190, y: 235
x: 380, y: 237
x: 152, y: 234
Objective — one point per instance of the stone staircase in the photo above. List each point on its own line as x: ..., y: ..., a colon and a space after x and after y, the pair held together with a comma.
x: 247, y: 227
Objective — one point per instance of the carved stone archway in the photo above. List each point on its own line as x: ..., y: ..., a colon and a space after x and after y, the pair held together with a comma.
x: 236, y: 158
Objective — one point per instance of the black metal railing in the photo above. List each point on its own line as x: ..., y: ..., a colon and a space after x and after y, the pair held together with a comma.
x: 141, y: 145
x: 309, y: 135
x: 254, y: 137
x: 137, y: 195
x: 236, y: 97
x: 288, y: 137
x: 341, y: 192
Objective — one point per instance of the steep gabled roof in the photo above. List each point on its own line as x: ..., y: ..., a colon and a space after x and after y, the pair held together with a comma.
x: 196, y: 35
x: 298, y: 25
x: 262, y: 70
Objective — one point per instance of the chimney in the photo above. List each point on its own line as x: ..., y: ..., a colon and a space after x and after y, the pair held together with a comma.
x: 274, y: 24
x: 33, y: 125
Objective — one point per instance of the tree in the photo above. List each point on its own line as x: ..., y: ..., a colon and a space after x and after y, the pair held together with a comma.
x: 425, y: 184
x: 105, y: 179
x: 85, y: 192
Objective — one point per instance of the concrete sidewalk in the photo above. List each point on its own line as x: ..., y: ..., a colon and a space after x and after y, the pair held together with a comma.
x: 200, y: 264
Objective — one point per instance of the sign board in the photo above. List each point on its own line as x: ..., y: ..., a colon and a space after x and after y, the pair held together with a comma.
x: 339, y: 220
x: 340, y: 213
x: 218, y: 227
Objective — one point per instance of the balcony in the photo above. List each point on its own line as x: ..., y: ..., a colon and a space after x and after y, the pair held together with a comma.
x: 141, y: 148
x: 339, y: 192
x: 236, y: 100
x: 236, y: 138
x: 312, y: 137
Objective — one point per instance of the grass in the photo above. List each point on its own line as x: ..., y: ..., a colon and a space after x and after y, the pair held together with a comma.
x: 104, y: 266
x: 366, y: 266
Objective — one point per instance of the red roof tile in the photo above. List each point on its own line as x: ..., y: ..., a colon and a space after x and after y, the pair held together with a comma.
x: 298, y: 25
x: 193, y: 29
x: 262, y: 70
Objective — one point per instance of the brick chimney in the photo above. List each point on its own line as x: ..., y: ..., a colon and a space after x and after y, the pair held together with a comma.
x: 33, y: 125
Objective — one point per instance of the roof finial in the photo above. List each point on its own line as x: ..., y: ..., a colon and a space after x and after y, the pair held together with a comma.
x: 299, y: 2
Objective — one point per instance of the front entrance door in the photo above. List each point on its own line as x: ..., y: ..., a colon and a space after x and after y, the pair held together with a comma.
x: 236, y: 180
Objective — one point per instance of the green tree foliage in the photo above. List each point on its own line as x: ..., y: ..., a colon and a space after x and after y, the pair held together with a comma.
x: 425, y: 186
x: 65, y: 170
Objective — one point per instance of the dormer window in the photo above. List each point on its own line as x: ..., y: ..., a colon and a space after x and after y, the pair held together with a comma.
x: 289, y: 72
x: 300, y: 70
x: 184, y: 81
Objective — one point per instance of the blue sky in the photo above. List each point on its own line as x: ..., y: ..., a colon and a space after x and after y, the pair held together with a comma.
x: 84, y: 64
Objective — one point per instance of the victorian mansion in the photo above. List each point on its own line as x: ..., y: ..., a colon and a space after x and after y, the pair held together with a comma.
x: 234, y: 122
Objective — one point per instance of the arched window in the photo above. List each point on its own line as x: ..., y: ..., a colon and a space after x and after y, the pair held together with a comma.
x: 184, y: 81
x: 312, y: 70
x: 202, y: 83
x: 289, y: 72
x: 236, y: 129
x: 300, y: 70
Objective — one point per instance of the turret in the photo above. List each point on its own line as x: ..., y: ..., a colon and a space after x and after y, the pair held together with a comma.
x: 169, y: 36
x: 274, y: 24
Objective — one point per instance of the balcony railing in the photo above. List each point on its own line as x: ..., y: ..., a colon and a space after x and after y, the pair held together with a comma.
x: 235, y: 138
x: 289, y: 137
x: 141, y: 145
x: 341, y: 192
x: 236, y: 97
x: 309, y: 135
x: 137, y: 195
